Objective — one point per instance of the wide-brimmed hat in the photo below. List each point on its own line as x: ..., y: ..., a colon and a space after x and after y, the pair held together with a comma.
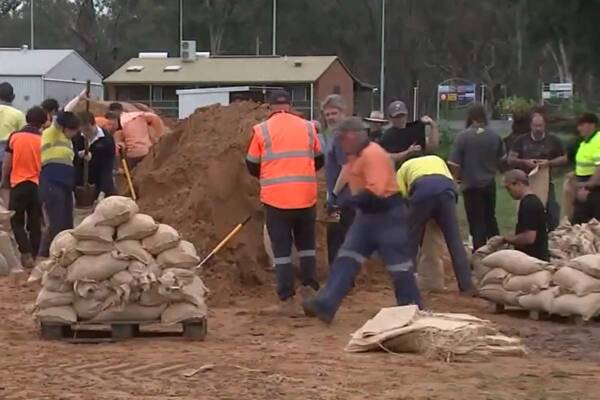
x: 376, y: 116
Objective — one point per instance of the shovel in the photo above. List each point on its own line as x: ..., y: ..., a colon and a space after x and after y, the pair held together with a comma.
x: 223, y: 242
x: 86, y: 195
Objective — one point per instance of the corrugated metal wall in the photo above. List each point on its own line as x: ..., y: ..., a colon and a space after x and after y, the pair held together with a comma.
x: 29, y: 90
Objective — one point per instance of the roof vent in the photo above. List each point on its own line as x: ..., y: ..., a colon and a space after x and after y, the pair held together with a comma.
x: 173, y: 68
x: 135, y: 68
x: 297, y: 63
x: 24, y: 47
x: 203, y: 54
x: 153, y: 55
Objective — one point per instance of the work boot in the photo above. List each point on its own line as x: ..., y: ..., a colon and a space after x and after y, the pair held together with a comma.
x: 285, y: 308
x: 312, y: 308
x: 307, y: 292
x: 27, y: 260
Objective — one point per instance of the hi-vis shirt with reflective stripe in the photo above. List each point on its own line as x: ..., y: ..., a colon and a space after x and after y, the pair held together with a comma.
x: 56, y: 147
x: 587, y: 158
x: 285, y: 146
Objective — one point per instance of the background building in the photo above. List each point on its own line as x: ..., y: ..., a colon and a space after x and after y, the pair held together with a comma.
x: 39, y: 74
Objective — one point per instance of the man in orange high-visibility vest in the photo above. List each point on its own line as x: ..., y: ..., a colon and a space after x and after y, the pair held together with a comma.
x: 285, y: 154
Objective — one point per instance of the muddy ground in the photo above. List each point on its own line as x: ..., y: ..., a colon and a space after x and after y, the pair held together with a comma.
x: 264, y: 357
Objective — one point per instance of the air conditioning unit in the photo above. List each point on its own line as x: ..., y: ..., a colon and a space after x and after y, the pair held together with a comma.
x: 188, y: 50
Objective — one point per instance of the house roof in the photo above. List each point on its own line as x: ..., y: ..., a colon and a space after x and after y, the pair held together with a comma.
x: 18, y: 62
x: 229, y: 70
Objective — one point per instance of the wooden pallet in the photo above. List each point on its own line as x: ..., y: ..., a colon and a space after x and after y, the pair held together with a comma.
x: 111, y: 331
x: 536, y: 315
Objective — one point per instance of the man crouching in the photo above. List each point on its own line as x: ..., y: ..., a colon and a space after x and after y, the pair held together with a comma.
x: 380, y: 225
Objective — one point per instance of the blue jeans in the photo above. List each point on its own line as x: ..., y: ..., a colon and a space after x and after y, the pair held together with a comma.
x: 57, y: 202
x: 382, y: 232
x: 442, y: 209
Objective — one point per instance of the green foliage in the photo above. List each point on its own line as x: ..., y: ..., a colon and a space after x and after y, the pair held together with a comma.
x: 573, y: 107
x: 515, y: 105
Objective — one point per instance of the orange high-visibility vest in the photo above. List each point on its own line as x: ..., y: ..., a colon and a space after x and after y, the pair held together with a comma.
x: 285, y: 146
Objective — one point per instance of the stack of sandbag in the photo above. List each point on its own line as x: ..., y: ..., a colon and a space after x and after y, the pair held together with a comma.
x: 120, y: 265
x: 569, y: 241
x: 578, y: 288
x: 442, y: 336
x: 512, y: 274
x: 479, y: 268
x: 9, y: 256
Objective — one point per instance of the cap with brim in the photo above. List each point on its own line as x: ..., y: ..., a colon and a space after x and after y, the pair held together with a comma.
x: 377, y: 117
x: 279, y: 97
x: 397, y: 108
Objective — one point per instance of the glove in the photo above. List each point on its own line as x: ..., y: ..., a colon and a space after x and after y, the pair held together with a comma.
x: 331, y: 204
x: 86, y: 156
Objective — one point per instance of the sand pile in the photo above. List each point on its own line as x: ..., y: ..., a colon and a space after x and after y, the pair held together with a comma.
x: 195, y: 179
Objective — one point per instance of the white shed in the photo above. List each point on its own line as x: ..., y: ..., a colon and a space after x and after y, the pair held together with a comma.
x: 40, y: 74
x: 190, y: 99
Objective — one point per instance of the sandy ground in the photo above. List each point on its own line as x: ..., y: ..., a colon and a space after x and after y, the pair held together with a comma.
x: 265, y: 357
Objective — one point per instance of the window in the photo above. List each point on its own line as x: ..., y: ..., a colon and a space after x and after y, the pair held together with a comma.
x: 337, y: 89
x: 157, y: 93
x: 135, y: 68
x: 299, y: 93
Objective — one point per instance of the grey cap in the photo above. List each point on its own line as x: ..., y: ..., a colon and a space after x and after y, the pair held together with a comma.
x: 397, y: 108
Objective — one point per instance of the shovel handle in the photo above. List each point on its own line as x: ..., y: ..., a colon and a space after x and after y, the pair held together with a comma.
x: 128, y: 176
x: 223, y: 242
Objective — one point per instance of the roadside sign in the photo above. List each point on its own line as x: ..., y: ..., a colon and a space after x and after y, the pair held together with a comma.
x: 560, y: 91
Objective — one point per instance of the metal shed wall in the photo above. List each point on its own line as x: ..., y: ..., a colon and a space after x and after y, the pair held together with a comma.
x: 29, y: 90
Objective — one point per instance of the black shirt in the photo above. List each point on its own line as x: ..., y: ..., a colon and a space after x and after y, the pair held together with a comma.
x: 396, y: 140
x: 547, y: 148
x: 100, y: 166
x: 532, y: 217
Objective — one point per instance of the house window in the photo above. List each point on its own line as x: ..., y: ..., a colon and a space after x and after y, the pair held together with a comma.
x: 299, y: 93
x: 337, y: 89
x: 157, y: 93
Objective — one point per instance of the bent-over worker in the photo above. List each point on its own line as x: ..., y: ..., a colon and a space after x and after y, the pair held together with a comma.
x: 380, y: 225
x: 587, y: 171
x: 531, y: 234
x: 57, y: 179
x: 284, y: 153
x: 21, y: 171
x: 139, y: 131
x: 428, y: 184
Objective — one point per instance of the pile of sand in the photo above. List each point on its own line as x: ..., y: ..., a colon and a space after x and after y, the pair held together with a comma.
x: 195, y: 180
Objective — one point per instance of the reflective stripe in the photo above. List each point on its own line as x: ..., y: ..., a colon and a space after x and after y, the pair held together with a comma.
x: 287, y: 154
x: 282, y: 260
x: 586, y: 164
x: 252, y: 159
x: 58, y: 160
x: 352, y: 254
x: 403, y: 267
x: 288, y: 179
x: 271, y: 155
x: 58, y: 144
x: 307, y: 253
x: 266, y: 138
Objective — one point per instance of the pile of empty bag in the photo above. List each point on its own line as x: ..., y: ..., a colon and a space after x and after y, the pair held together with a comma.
x: 566, y: 288
x: 119, y: 265
x: 569, y: 241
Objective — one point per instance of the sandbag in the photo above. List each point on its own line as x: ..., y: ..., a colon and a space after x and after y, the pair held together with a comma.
x: 514, y: 262
x: 92, y: 290
x: 64, y: 248
x: 589, y: 264
x: 191, y: 293
x: 4, y: 268
x: 96, y: 268
x: 165, y: 238
x: 497, y: 294
x: 90, y: 230
x: 178, y: 312
x: 430, y: 264
x: 5, y: 214
x: 495, y: 275
x: 569, y: 304
x: 8, y: 252
x: 37, y: 272
x: 87, y: 308
x: 63, y: 314
x: 131, y: 312
x: 183, y: 256
x: 479, y: 269
x: 176, y: 277
x: 574, y: 281
x: 94, y: 247
x: 541, y: 301
x: 140, y: 226
x: 531, y: 283
x: 152, y: 297
x: 121, y: 278
x: 115, y: 210
x: 47, y: 299
x: 56, y: 284
x: 134, y: 250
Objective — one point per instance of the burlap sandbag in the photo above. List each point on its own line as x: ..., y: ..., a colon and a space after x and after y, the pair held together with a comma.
x: 589, y: 264
x: 94, y: 247
x: 99, y: 291
x: 152, y: 297
x: 144, y: 275
x: 56, y: 283
x: 90, y: 230
x: 574, y: 281
x: 541, y: 301
x: 134, y: 251
x: 8, y: 251
x: 493, y: 245
x: 37, y: 273
x: 115, y: 210
x: 47, y: 299
x: 430, y: 263
x: 531, y: 283
x: 569, y: 304
x: 165, y: 238
x: 87, y: 308
x: 63, y: 314
x: 131, y: 312
x: 183, y: 256
x: 122, y: 278
x: 569, y: 191
x: 495, y: 275
x: 497, y: 294
x: 139, y: 227
x: 97, y: 268
x: 64, y: 248
x: 178, y: 312
x: 193, y: 292
x: 176, y: 277
x: 4, y: 268
x: 514, y: 262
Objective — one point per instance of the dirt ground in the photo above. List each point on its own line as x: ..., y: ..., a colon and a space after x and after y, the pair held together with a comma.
x: 265, y: 357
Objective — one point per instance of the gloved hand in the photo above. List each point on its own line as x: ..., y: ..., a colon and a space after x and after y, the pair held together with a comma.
x: 86, y: 156
x: 331, y: 204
